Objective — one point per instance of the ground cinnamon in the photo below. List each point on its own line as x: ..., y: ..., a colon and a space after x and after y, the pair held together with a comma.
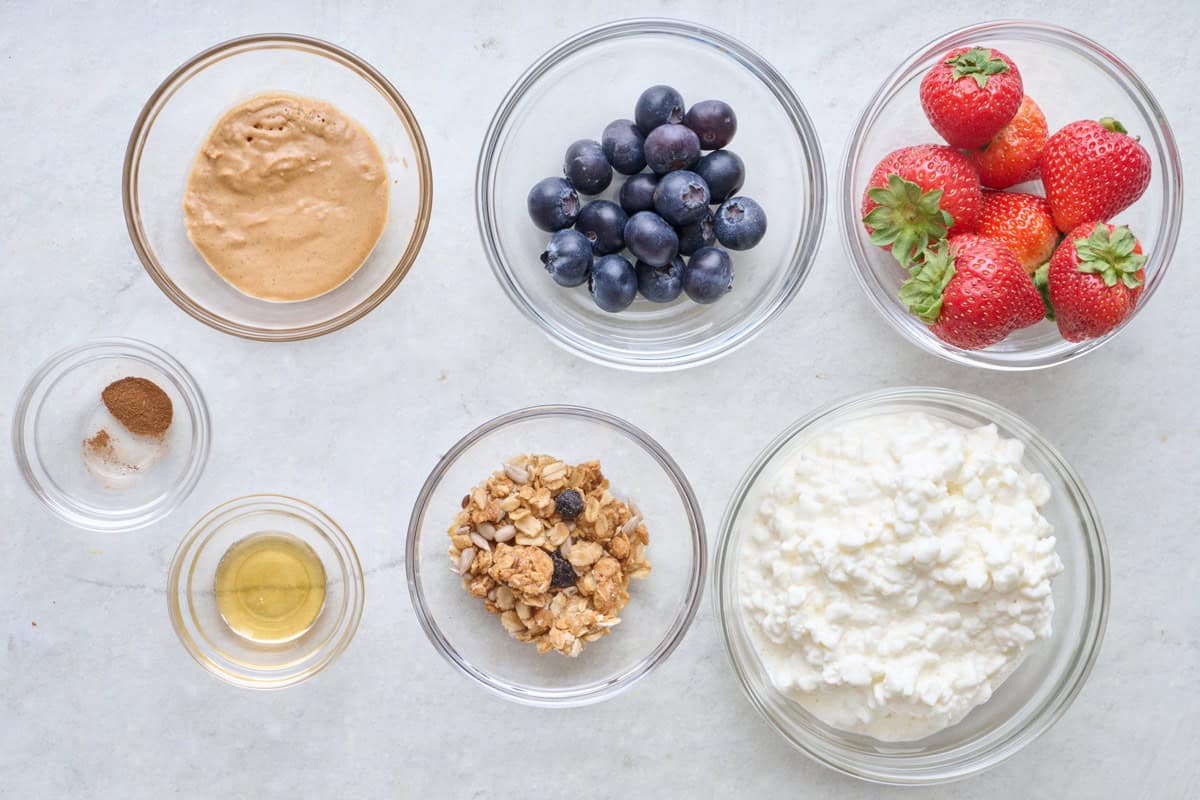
x: 100, y: 443
x: 100, y: 447
x: 140, y: 405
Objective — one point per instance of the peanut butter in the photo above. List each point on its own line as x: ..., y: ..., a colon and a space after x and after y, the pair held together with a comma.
x: 287, y: 197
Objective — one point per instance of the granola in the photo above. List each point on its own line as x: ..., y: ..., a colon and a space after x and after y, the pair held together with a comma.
x: 549, y: 550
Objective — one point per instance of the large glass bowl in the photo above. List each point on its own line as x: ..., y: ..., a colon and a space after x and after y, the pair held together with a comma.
x: 595, y: 77
x: 1071, y: 78
x: 661, y: 605
x: 174, y: 123
x: 1025, y: 705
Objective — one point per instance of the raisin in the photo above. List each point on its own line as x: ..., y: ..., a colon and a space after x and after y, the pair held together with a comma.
x: 569, y: 504
x: 564, y: 573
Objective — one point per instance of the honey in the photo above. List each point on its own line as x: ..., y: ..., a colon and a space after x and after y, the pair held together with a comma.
x: 270, y: 588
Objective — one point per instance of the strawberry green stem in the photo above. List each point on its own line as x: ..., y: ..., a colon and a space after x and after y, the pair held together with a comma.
x: 1110, y: 255
x: 1041, y: 279
x: 1113, y: 125
x: 922, y: 293
x: 906, y: 218
x: 978, y: 63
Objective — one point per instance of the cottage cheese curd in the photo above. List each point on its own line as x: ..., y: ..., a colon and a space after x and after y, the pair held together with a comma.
x: 897, y: 572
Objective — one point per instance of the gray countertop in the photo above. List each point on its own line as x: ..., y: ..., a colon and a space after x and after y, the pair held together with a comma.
x: 97, y: 697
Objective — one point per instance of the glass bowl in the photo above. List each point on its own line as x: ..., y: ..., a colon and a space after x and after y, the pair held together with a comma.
x: 661, y: 606
x: 611, y: 65
x: 60, y: 408
x: 191, y: 593
x: 1025, y: 705
x: 175, y: 122
x: 1055, y: 63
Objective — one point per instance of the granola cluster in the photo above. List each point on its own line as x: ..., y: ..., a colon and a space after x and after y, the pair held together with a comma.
x: 548, y: 548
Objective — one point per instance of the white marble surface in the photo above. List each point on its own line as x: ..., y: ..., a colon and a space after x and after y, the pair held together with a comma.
x: 97, y: 698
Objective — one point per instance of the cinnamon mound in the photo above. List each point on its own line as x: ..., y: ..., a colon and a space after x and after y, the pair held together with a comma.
x: 140, y: 405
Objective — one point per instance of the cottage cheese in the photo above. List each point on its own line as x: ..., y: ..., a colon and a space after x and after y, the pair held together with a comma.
x: 897, y: 572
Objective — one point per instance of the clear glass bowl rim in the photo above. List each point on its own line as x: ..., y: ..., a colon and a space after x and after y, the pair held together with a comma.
x: 163, y: 94
x: 186, y: 553
x: 1169, y: 220
x: 591, y: 693
x: 812, y: 225
x: 898, y: 772
x: 196, y: 406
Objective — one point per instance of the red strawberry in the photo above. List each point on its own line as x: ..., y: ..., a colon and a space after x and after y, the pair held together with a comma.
x: 1095, y: 278
x: 917, y: 195
x: 1022, y: 223
x: 1093, y: 171
x: 972, y: 292
x: 970, y: 94
x: 1012, y: 156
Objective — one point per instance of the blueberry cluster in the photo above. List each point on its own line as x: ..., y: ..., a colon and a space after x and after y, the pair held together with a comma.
x: 664, y: 214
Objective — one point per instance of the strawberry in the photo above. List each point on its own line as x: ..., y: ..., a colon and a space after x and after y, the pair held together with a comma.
x: 917, y: 195
x: 1093, y: 171
x: 1012, y: 156
x: 970, y: 94
x: 972, y: 292
x: 1095, y: 278
x: 1022, y: 223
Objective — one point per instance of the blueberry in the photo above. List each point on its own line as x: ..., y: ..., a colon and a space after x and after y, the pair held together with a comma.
x: 658, y: 105
x: 681, y: 197
x: 661, y: 284
x: 696, y: 235
x: 613, y: 283
x: 709, y: 275
x: 586, y: 167
x: 564, y: 574
x: 553, y: 204
x: 724, y: 172
x: 569, y: 504
x: 713, y: 121
x: 603, y: 223
x: 568, y: 258
x: 741, y: 223
x: 637, y: 193
x: 622, y: 142
x: 651, y: 239
x: 671, y: 147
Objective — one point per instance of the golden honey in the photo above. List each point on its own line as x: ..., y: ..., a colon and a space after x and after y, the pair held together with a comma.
x: 270, y: 588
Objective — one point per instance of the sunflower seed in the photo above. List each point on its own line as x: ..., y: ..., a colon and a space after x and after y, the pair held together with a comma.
x: 465, y: 560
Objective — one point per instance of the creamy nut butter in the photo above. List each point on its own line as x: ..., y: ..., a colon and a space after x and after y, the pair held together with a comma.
x: 287, y: 197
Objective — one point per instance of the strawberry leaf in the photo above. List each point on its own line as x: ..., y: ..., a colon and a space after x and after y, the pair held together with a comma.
x: 978, y: 63
x: 923, y: 293
x: 1109, y: 254
x: 1113, y: 125
x: 907, y: 218
x: 1041, y: 279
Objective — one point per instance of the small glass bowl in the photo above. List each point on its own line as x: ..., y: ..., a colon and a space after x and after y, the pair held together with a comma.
x: 610, y: 66
x: 1025, y: 705
x: 60, y: 408
x: 1071, y: 78
x: 174, y: 123
x: 191, y: 596
x: 661, y: 605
